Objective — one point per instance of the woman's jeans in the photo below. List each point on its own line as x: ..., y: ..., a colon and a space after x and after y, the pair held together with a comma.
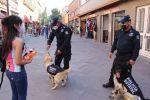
x: 18, y: 81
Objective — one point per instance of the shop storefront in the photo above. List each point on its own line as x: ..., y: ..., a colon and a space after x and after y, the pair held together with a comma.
x: 105, y: 28
x: 143, y: 26
x: 115, y: 25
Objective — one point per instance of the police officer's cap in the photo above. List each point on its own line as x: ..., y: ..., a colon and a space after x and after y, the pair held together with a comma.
x: 55, y: 20
x: 125, y: 19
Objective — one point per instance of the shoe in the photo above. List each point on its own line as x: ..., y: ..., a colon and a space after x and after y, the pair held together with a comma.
x: 108, y: 85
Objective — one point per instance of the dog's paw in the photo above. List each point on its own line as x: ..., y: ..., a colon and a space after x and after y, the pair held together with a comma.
x: 54, y: 87
x: 113, y: 91
x: 111, y: 97
x: 63, y: 84
x: 53, y: 84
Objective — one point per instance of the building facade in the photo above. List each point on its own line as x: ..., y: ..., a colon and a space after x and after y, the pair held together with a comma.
x: 13, y: 10
x: 73, y: 16
x: 3, y: 12
x: 65, y: 15
x: 29, y: 11
x: 106, y: 13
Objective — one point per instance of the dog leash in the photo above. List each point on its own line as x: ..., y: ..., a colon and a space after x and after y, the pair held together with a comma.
x: 48, y: 53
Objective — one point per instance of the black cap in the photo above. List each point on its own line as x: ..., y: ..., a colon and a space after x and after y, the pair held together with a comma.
x: 125, y: 19
x: 55, y: 20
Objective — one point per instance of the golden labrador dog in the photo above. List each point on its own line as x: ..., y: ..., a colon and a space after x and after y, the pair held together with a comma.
x: 120, y: 92
x: 60, y: 79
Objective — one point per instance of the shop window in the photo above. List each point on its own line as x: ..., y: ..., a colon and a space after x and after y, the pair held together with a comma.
x: 148, y: 43
x: 116, y: 26
x: 141, y: 41
x: 148, y: 24
x: 105, y: 28
x: 105, y: 36
x: 141, y: 17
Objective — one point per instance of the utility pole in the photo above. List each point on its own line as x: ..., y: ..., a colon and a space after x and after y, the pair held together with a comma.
x: 66, y: 9
x: 7, y: 7
x: 68, y: 16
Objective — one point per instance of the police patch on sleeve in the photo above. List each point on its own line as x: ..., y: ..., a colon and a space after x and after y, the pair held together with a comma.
x: 138, y: 37
x: 131, y: 34
x: 66, y: 32
x: 62, y: 30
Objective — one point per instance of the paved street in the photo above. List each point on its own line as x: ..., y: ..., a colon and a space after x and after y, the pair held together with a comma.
x: 90, y: 69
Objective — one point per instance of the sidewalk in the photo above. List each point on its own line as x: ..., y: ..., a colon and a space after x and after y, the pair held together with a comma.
x: 90, y: 69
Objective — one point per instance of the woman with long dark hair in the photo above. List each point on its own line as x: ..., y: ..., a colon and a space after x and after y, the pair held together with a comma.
x: 13, y: 48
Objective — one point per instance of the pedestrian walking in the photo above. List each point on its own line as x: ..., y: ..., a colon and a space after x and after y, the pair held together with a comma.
x: 46, y: 31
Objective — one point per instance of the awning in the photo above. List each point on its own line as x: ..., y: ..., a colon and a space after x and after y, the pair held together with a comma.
x: 26, y: 19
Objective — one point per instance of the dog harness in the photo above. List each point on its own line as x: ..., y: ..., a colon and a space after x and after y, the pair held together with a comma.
x: 54, y: 69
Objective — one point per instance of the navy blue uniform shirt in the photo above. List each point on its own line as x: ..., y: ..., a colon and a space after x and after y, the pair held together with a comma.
x: 63, y: 36
x: 127, y: 42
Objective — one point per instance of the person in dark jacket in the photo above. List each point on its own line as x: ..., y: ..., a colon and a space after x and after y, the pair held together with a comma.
x: 46, y: 31
x: 63, y: 35
x: 127, y: 44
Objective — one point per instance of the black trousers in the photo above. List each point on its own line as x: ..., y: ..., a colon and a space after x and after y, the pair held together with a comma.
x: 122, y: 66
x: 66, y: 59
x: 119, y: 61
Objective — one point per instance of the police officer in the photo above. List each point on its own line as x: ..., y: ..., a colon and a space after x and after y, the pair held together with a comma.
x: 63, y: 35
x: 127, y: 44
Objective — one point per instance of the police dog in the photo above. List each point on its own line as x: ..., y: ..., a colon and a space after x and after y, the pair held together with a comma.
x: 120, y: 92
x: 60, y: 79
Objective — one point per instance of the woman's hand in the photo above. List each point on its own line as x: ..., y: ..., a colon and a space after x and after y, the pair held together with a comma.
x: 28, y: 61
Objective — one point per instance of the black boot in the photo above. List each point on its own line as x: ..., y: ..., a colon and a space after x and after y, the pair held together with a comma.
x: 108, y: 85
